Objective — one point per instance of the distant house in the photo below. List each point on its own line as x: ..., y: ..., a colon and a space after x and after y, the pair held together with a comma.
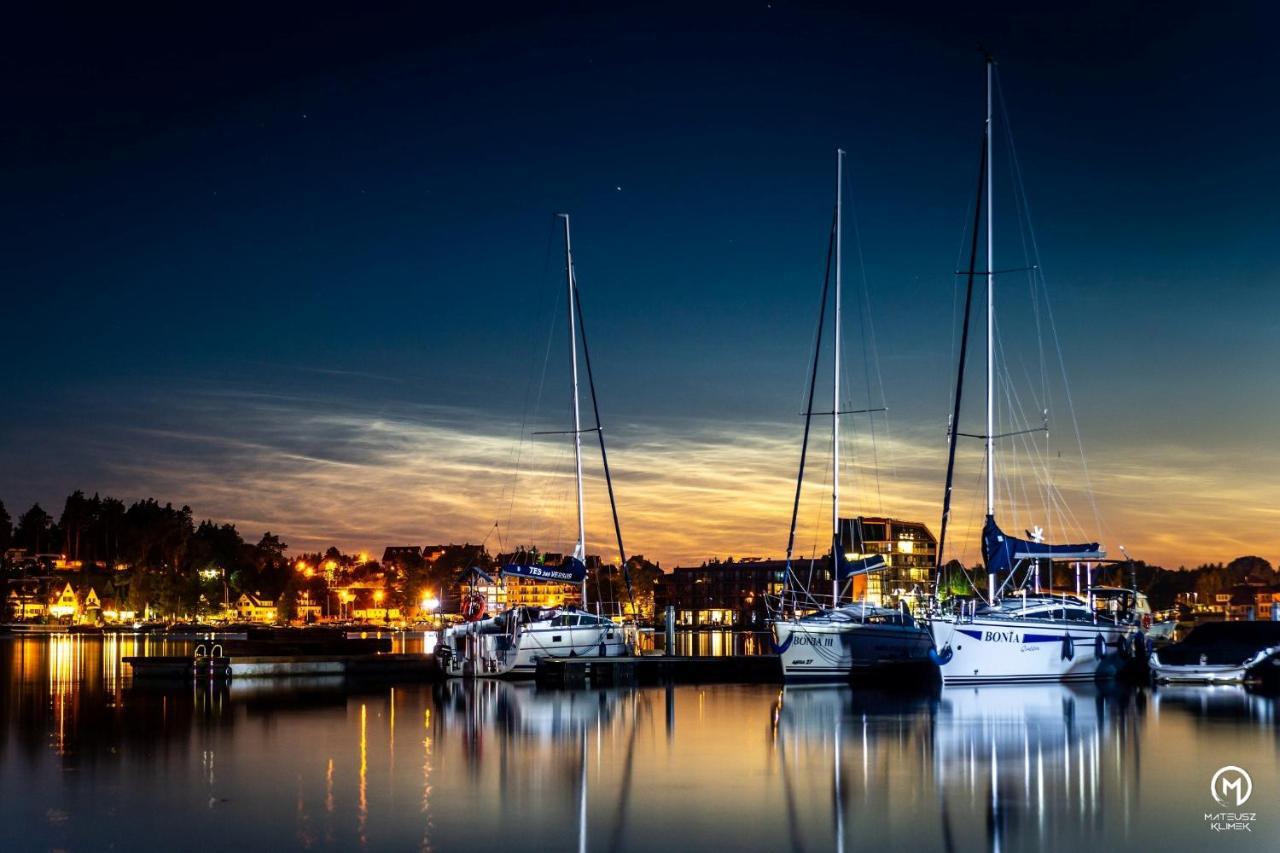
x: 1252, y: 600
x: 254, y: 608
x: 27, y: 598
x: 399, y: 555
x: 371, y: 604
x: 65, y: 604
x: 91, y: 606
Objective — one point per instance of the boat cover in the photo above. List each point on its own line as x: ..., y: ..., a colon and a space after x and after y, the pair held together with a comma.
x: 1002, y: 552
x: 572, y: 570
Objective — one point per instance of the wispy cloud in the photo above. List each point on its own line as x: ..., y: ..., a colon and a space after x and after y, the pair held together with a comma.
x: 320, y: 472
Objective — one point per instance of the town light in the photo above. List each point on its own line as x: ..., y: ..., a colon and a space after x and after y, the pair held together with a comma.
x: 430, y: 603
x: 301, y: 565
x: 330, y: 565
x: 378, y: 596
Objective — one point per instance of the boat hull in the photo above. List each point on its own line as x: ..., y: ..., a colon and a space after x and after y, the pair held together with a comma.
x: 1019, y: 651
x: 1202, y: 674
x: 838, y: 651
x: 498, y: 656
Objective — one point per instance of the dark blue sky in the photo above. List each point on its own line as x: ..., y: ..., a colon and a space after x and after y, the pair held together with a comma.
x: 211, y: 215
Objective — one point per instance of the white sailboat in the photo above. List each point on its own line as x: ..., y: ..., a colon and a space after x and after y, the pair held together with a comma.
x: 817, y: 641
x: 1025, y: 635
x: 509, y: 645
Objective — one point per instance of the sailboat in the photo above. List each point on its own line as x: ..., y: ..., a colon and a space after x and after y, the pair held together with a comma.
x: 1026, y: 635
x: 820, y: 641
x: 509, y: 644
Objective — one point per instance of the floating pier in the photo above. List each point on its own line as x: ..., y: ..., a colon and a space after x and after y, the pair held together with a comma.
x: 658, y: 669
x: 223, y: 667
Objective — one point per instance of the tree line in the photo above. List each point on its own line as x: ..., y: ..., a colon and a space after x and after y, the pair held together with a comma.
x: 177, y: 565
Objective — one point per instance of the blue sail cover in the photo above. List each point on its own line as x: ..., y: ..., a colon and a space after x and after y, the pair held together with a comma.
x: 572, y: 570
x: 1001, y: 552
x: 865, y: 566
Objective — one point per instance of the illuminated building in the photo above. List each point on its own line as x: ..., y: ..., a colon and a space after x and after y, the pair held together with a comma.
x: 734, y: 593
x: 721, y: 594
x: 908, y: 547
x: 250, y: 607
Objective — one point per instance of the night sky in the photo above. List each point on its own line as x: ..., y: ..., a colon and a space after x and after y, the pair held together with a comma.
x: 299, y: 268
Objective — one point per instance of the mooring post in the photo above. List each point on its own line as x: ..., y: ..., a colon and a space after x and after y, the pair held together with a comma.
x: 671, y: 630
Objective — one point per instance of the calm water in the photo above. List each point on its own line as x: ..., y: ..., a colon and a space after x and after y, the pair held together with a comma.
x: 90, y: 761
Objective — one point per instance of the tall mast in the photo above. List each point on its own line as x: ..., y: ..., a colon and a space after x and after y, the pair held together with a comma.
x: 580, y: 550
x: 991, y: 314
x: 835, y: 404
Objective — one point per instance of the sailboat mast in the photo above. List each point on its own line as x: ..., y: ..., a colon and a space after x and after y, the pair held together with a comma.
x: 835, y: 402
x: 991, y: 314
x: 580, y: 550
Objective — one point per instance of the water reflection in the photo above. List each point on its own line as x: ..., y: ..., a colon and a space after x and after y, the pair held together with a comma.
x: 319, y: 764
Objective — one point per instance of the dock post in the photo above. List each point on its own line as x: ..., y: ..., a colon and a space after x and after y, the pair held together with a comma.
x: 671, y: 630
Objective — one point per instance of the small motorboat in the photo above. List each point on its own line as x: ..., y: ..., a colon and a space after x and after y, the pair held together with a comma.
x: 1221, y: 653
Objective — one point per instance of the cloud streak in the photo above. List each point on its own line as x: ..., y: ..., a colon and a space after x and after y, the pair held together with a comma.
x: 318, y: 472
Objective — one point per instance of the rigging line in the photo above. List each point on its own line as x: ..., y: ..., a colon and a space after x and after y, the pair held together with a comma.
x: 604, y: 456
x: 1016, y: 171
x: 813, y: 381
x: 1020, y: 205
x: 866, y: 330
x: 524, y: 418
x: 964, y: 348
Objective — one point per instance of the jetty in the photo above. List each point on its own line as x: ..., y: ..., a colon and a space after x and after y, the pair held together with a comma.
x: 221, y: 667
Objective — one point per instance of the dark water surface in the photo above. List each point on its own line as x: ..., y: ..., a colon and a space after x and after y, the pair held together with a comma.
x: 91, y: 761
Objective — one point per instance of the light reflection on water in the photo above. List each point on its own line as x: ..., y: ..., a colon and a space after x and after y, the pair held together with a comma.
x: 90, y: 760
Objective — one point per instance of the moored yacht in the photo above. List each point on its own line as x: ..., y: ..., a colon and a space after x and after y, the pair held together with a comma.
x: 509, y: 644
x: 819, y: 640
x: 1026, y: 638
x: 1012, y: 632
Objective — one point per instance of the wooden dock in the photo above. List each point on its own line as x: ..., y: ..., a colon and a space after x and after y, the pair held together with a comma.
x: 658, y: 669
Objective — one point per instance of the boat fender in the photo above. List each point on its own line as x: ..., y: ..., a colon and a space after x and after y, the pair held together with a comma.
x: 1068, y: 648
x: 1141, y: 646
x: 1126, y: 647
x: 941, y: 658
x: 1099, y: 646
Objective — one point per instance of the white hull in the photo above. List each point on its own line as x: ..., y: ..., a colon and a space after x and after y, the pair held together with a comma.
x: 1011, y: 650
x: 827, y: 650
x: 476, y: 654
x: 1206, y: 674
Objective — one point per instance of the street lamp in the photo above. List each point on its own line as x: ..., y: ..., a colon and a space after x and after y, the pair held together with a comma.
x: 430, y: 604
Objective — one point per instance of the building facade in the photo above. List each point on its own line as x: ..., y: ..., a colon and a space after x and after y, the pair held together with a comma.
x: 729, y: 594
x: 734, y: 593
x: 909, y: 548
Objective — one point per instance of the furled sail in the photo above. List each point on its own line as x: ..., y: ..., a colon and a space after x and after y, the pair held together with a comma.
x: 1002, y: 552
x: 572, y: 570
